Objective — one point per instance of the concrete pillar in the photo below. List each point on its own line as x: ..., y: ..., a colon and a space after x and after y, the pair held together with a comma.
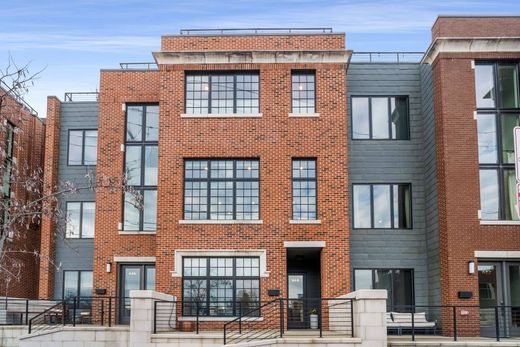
x: 370, y: 316
x: 141, y: 315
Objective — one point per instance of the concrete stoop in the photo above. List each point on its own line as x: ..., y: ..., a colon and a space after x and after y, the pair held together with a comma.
x: 303, y: 342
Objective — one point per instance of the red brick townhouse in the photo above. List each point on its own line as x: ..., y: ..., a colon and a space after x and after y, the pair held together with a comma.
x: 281, y: 164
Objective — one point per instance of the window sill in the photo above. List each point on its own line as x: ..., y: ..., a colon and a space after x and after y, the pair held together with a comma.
x: 219, y: 319
x: 499, y: 222
x: 299, y: 221
x: 187, y: 221
x: 137, y: 232
x: 224, y: 115
x: 304, y: 115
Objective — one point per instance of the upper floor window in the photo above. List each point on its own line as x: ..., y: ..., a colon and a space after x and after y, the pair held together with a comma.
x: 141, y: 165
x: 8, y: 160
x: 498, y: 112
x: 77, y: 283
x: 304, y: 189
x: 380, y: 118
x: 224, y: 189
x: 82, y: 147
x: 80, y: 219
x: 222, y: 93
x: 303, y: 92
x: 382, y: 206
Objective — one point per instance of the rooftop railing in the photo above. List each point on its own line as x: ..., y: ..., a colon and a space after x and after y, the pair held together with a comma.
x: 255, y: 31
x: 81, y: 96
x: 139, y: 66
x: 387, y: 57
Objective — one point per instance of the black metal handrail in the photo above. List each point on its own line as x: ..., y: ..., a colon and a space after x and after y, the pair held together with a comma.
x: 19, y: 311
x: 48, y: 319
x: 255, y: 31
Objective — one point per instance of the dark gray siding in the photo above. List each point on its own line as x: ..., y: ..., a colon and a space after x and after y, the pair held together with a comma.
x: 74, y: 254
x: 389, y: 161
x: 430, y: 188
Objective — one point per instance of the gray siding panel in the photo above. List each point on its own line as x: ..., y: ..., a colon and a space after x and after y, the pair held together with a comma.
x: 74, y: 254
x: 390, y: 161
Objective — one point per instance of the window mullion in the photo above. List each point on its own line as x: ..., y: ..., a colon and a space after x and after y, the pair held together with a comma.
x: 389, y: 109
x: 235, y: 94
x: 209, y: 94
x: 392, y: 207
x: 81, y: 220
x: 372, y: 224
x: 370, y: 118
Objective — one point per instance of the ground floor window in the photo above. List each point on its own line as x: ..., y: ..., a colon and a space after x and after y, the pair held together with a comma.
x: 398, y: 283
x: 77, y: 283
x: 220, y: 286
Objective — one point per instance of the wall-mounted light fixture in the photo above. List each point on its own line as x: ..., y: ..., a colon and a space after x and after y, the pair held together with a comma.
x: 109, y: 266
x: 471, y: 267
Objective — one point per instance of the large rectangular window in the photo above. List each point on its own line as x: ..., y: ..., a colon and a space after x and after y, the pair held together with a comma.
x: 303, y: 92
x: 220, y: 286
x: 224, y: 189
x: 380, y: 118
x: 223, y: 93
x: 141, y: 165
x: 80, y: 219
x: 82, y: 147
x: 382, y: 206
x: 6, y: 179
x: 304, y: 189
x: 498, y: 112
x: 398, y: 282
x: 77, y: 283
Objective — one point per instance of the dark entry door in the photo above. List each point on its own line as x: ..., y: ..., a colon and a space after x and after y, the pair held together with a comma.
x: 297, y: 315
x: 490, y: 296
x: 133, y: 277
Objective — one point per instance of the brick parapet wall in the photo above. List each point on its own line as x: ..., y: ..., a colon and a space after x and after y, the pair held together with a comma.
x: 476, y: 27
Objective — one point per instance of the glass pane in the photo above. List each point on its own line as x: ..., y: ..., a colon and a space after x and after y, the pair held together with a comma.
x: 73, y: 219
x: 194, y: 296
x: 487, y: 285
x: 248, y: 296
x: 131, y: 213
x: 89, y: 213
x: 382, y: 207
x: 402, y: 206
x: 511, y: 203
x: 485, y: 86
x: 399, y: 118
x: 151, y: 165
x: 150, y: 278
x: 489, y: 194
x: 296, y: 286
x: 91, y: 137
x: 487, y: 138
x: 509, y: 121
x: 514, y: 290
x: 380, y: 118
x: 6, y: 182
x: 508, y: 86
x: 360, y: 123
x: 75, y: 147
x: 363, y: 279
x: 132, y: 281
x: 134, y: 123
x: 362, y: 207
x: 133, y: 165
x: 383, y: 280
x: 221, y: 297
x: 86, y: 286
x: 403, y: 289
x: 150, y: 210
x: 70, y: 284
x: 152, y: 123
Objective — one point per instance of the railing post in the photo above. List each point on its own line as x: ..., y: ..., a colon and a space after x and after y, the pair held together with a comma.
x: 26, y: 311
x: 282, y: 320
x: 30, y: 325
x: 413, y: 324
x: 155, y: 317
x: 74, y: 312
x: 63, y: 308
x: 240, y: 317
x: 497, y: 324
x: 197, y: 327
x: 110, y: 311
x: 454, y: 323
x: 352, y: 317
x: 320, y: 319
x: 102, y: 311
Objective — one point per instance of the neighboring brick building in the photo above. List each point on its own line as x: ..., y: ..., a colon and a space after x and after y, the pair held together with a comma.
x: 22, y: 138
x: 272, y: 165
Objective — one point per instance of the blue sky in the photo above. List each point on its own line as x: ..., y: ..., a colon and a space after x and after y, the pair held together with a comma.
x: 72, y: 39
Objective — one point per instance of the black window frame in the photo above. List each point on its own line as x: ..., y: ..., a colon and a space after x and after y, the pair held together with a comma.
x: 390, y: 132
x: 80, y: 218
x: 498, y: 112
x: 390, y: 304
x: 392, y: 212
x: 209, y: 74
x: 8, y: 165
x: 143, y: 143
x: 82, y: 146
x: 78, y: 285
x: 208, y: 279
x: 306, y: 179
x: 210, y: 179
x: 293, y: 98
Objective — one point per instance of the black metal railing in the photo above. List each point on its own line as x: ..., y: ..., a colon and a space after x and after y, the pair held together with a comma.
x: 386, y: 57
x: 81, y: 96
x: 454, y: 320
x: 49, y: 319
x: 14, y: 311
x: 313, y: 316
x: 255, y: 31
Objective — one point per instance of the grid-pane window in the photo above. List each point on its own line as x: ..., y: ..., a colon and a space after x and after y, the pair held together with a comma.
x: 220, y: 286
x: 80, y: 219
x: 77, y: 283
x: 498, y: 113
x: 303, y: 92
x: 6, y: 179
x: 382, y: 206
x: 224, y: 189
x: 380, y: 118
x: 222, y: 93
x: 82, y: 148
x: 141, y: 165
x: 304, y: 189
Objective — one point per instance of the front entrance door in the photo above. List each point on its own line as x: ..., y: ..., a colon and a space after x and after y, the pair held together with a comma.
x: 490, y: 295
x: 296, y: 307
x: 513, y: 298
x: 133, y: 277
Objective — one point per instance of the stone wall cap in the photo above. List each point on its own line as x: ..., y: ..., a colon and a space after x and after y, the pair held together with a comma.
x: 150, y: 294
x: 368, y: 294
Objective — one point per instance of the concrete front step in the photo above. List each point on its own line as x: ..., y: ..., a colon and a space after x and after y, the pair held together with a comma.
x: 448, y: 342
